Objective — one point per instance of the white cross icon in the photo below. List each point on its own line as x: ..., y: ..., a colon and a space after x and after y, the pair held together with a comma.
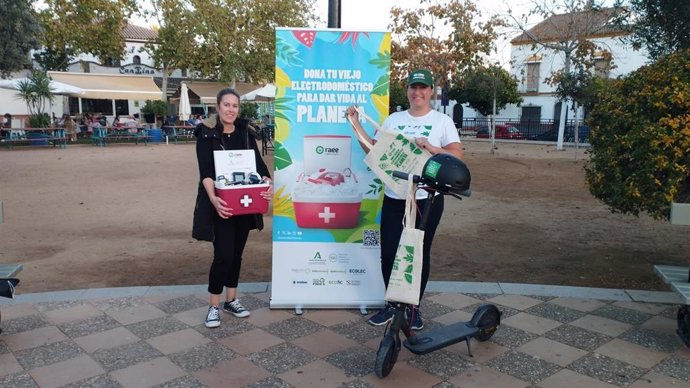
x: 246, y: 200
x: 326, y: 215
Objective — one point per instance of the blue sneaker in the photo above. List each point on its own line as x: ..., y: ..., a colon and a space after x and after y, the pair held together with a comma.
x: 415, y: 320
x: 384, y: 315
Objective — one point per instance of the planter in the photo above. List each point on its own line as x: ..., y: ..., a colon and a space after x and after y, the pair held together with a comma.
x: 680, y: 213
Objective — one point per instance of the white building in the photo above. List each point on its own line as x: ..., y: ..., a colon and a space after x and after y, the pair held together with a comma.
x: 532, y: 64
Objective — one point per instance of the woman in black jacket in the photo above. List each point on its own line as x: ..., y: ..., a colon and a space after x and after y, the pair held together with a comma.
x: 213, y: 218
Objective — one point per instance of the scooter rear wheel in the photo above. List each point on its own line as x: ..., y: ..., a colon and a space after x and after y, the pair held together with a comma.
x: 487, y: 318
x: 386, y: 356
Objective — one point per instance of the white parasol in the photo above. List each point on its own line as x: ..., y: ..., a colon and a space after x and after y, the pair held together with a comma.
x: 55, y: 86
x: 185, y: 109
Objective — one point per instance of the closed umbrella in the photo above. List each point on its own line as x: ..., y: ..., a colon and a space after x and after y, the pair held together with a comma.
x: 185, y: 109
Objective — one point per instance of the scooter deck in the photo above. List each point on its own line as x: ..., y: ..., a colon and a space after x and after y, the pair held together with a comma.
x: 424, y: 343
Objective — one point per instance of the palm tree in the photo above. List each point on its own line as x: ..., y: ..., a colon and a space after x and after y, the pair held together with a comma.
x: 36, y: 92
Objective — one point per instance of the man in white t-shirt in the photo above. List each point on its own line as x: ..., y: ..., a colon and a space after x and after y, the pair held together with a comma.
x: 436, y: 133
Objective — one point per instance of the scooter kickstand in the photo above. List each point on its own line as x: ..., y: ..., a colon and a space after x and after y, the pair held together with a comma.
x: 469, y: 351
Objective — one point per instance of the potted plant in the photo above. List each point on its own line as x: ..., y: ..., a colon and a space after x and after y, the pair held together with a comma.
x: 153, y: 110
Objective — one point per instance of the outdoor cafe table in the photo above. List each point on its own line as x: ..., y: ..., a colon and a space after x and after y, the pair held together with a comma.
x: 102, y: 135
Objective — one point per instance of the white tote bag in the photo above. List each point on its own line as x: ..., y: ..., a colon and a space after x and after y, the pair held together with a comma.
x: 406, y: 278
x: 393, y: 152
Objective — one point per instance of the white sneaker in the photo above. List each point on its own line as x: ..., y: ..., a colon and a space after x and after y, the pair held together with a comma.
x: 235, y: 308
x: 212, y: 318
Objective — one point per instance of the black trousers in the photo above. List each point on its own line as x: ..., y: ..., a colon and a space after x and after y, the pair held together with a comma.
x: 392, y: 214
x: 230, y: 238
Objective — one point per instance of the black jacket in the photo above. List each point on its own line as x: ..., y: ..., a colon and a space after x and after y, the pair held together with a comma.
x: 208, y: 140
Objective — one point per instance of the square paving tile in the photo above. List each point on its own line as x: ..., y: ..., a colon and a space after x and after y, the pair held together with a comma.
x: 355, y: 361
x: 201, y: 357
x: 402, y: 375
x: 178, y: 341
x: 194, y: 316
x: 480, y: 376
x: 100, y: 381
x: 66, y: 372
x: 251, y: 303
x: 328, y: 317
x: 449, y: 318
x: 229, y: 326
x: 106, y: 339
x: 21, y: 379
x: 656, y: 380
x: 324, y: 342
x: 236, y: 372
x: 14, y: 311
x: 122, y: 356
x: 33, y: 338
x: 632, y: 317
x: 555, y: 312
x: 518, y: 302
x: 48, y: 354
x: 9, y: 365
x: 662, y: 324
x: 265, y: 316
x: 531, y: 323
x: 601, y: 325
x: 137, y: 313
x: 23, y: 323
x: 148, y: 373
x: 316, y: 374
x: 281, y: 358
x: 523, y: 366
x: 156, y: 327
x: 88, y: 326
x: 73, y: 313
x: 481, y: 351
x: 271, y: 382
x: 441, y: 363
x: 512, y: 337
x: 607, y: 369
x: 584, y: 305
x: 359, y: 331
x: 454, y: 301
x: 577, y: 337
x: 181, y: 382
x: 45, y: 307
x: 251, y: 341
x: 649, y: 308
x: 552, y: 351
x: 570, y: 379
x: 631, y: 353
x: 654, y: 340
x: 178, y: 305
x: 431, y: 309
x: 293, y: 328
x: 676, y: 367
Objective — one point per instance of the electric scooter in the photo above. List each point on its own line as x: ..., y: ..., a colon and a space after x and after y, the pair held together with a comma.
x: 449, y: 176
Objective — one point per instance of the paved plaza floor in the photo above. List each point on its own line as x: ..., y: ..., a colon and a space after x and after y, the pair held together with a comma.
x: 154, y: 336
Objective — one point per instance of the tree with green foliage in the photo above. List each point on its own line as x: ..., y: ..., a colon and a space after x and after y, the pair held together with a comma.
x: 236, y: 38
x: 19, y: 29
x: 85, y: 26
x: 422, y: 40
x: 480, y: 86
x: 661, y: 26
x: 36, y: 92
x: 640, y: 139
x: 174, y: 43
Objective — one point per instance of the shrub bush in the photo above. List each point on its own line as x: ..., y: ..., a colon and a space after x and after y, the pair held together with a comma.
x: 640, y: 139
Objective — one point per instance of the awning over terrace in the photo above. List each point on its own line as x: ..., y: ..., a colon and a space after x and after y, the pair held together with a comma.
x: 110, y: 86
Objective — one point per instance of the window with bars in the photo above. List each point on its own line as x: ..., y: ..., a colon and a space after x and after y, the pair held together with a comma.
x: 532, y: 79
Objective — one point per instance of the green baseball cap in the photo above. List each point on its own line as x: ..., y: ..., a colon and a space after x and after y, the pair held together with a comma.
x: 420, y: 76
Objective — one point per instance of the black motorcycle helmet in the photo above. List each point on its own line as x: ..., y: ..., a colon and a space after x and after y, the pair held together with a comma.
x: 447, y: 174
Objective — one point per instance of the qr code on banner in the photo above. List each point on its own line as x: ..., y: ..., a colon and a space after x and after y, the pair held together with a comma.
x: 371, y: 238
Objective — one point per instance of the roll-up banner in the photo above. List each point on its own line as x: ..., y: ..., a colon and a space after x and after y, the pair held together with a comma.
x: 326, y: 209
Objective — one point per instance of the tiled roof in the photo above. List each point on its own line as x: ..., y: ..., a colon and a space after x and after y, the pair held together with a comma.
x: 588, y: 24
x: 132, y: 32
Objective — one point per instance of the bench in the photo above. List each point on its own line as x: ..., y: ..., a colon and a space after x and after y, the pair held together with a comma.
x: 679, y: 279
x: 56, y: 137
x: 8, y: 271
x: 101, y: 137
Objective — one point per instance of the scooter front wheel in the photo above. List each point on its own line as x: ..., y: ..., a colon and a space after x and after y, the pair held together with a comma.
x: 386, y: 356
x: 487, y: 318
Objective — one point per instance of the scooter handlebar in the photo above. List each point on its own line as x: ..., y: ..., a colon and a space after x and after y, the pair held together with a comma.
x: 417, y: 179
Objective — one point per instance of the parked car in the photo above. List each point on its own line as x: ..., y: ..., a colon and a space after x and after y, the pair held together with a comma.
x: 568, y: 134
x: 502, y: 132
